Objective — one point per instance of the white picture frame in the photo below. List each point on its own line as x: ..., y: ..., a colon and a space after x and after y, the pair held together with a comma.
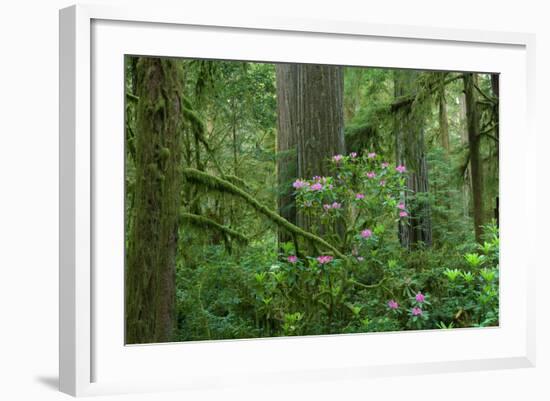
x: 92, y: 352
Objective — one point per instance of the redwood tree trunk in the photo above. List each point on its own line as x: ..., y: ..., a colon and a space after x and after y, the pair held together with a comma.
x: 472, y: 118
x: 286, y: 75
x: 319, y: 121
x: 410, y: 151
x: 320, y: 117
x: 152, y: 243
x: 311, y: 121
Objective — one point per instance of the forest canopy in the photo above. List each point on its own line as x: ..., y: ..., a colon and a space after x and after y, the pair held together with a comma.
x: 269, y: 200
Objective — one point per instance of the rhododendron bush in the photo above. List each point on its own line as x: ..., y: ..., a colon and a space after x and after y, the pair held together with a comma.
x: 356, y: 208
x: 355, y: 203
x: 370, y: 285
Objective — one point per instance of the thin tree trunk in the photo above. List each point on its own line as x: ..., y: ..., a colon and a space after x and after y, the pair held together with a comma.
x: 495, y: 85
x: 152, y: 245
x: 466, y: 179
x: 443, y: 119
x: 472, y: 117
x: 410, y: 151
x: 286, y: 75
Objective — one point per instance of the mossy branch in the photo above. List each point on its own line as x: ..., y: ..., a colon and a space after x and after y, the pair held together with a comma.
x: 202, y: 222
x: 199, y: 130
x: 491, y: 100
x: 221, y: 185
x: 131, y: 97
x: 367, y: 286
x: 233, y: 179
x: 408, y: 100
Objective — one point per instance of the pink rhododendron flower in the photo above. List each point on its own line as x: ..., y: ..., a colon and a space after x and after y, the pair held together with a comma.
x: 400, y: 169
x: 393, y: 304
x: 416, y: 311
x: 320, y: 179
x: 326, y: 207
x: 336, y: 205
x: 420, y: 297
x: 353, y: 155
x: 366, y: 233
x: 371, y: 155
x: 385, y: 165
x: 316, y: 187
x: 337, y: 158
x: 403, y: 214
x: 292, y: 258
x: 299, y: 184
x: 371, y: 174
x: 324, y: 259
x: 383, y: 183
x: 359, y: 196
x: 401, y: 205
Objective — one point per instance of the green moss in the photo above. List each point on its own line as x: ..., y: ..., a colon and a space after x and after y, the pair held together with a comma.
x: 164, y: 153
x: 152, y: 239
x: 221, y: 185
x: 204, y: 222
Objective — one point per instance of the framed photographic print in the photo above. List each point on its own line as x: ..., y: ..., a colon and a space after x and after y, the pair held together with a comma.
x: 276, y: 199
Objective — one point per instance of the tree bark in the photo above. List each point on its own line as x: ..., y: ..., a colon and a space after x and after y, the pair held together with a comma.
x: 319, y: 121
x: 495, y: 86
x: 286, y: 75
x: 310, y: 120
x: 472, y: 118
x: 152, y: 244
x: 467, y: 178
x: 410, y: 151
x: 443, y: 119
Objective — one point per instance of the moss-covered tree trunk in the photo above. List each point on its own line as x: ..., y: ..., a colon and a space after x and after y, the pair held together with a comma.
x: 466, y: 177
x: 495, y: 87
x: 152, y: 243
x: 410, y: 151
x: 472, y: 119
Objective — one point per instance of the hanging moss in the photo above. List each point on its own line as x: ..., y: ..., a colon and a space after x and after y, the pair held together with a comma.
x: 199, y: 131
x: 221, y: 185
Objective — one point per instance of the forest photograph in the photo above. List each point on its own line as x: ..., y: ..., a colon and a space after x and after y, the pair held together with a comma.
x: 284, y: 199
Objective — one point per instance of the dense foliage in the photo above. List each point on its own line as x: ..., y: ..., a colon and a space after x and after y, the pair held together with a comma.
x: 351, y: 259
